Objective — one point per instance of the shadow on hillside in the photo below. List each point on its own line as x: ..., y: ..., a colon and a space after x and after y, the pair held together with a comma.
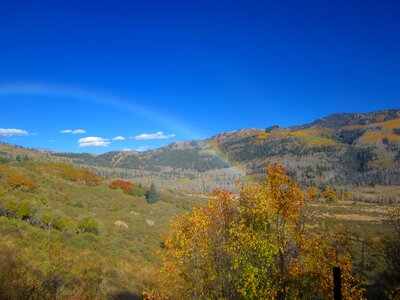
x: 126, y: 296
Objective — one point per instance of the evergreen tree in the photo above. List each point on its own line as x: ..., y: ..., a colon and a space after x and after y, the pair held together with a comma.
x: 152, y: 195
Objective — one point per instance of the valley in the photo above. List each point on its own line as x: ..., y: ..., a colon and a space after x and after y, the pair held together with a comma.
x: 76, y: 224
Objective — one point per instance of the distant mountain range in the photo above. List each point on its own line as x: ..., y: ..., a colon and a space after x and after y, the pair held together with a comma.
x: 341, y: 150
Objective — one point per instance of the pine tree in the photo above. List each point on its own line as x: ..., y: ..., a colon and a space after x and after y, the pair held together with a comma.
x: 152, y: 195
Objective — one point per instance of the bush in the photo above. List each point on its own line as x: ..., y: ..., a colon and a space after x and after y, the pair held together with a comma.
x: 75, y: 174
x: 11, y: 208
x: 25, y: 211
x: 21, y: 181
x: 312, y: 193
x: 88, y: 225
x: 330, y: 195
x: 128, y: 187
x: 119, y: 184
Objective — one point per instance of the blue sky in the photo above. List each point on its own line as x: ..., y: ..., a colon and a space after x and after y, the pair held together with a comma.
x: 156, y: 72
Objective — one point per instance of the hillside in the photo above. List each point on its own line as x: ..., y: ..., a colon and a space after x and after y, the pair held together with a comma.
x: 69, y: 233
x: 344, y: 150
x: 341, y: 149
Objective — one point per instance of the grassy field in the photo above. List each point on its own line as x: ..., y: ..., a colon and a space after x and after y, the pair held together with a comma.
x: 367, y: 224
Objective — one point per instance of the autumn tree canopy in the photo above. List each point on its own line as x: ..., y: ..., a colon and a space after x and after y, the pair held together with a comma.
x: 252, y: 246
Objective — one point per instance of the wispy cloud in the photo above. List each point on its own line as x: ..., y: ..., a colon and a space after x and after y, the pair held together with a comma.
x: 153, y: 136
x: 12, y: 131
x: 118, y: 138
x: 126, y: 149
x: 93, y: 141
x: 76, y: 131
x: 141, y: 148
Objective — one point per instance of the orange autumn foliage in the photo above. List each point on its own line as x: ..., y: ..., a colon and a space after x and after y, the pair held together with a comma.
x: 19, y: 180
x: 72, y: 173
x: 76, y: 174
x: 119, y: 184
x: 126, y: 186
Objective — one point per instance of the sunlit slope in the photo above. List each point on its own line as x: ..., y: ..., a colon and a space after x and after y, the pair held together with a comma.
x: 342, y: 149
x: 57, y: 216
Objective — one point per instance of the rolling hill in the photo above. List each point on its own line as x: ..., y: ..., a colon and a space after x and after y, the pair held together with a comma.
x: 67, y: 233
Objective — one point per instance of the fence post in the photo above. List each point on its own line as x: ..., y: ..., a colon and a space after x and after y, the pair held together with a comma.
x: 337, y: 284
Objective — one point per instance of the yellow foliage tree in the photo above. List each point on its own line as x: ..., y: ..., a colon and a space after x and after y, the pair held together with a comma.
x: 253, y: 246
x: 312, y: 193
x: 330, y: 195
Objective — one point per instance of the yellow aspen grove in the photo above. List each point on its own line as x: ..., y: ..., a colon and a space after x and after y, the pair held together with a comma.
x: 253, y: 246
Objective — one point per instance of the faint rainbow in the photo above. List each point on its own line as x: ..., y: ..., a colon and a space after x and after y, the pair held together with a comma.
x: 116, y: 102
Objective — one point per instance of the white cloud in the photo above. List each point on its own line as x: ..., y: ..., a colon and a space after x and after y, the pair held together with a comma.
x: 12, y: 131
x: 141, y: 148
x: 126, y: 149
x: 93, y: 141
x: 153, y: 136
x: 118, y: 138
x: 76, y: 131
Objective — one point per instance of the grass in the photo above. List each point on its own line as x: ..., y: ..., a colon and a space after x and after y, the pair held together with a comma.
x: 126, y: 253
x: 364, y: 222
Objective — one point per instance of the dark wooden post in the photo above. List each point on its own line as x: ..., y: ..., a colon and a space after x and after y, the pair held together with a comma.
x: 337, y: 284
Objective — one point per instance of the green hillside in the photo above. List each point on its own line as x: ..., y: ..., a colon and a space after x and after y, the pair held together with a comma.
x: 70, y: 234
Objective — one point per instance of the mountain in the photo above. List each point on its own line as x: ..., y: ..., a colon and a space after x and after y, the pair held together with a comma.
x: 341, y: 149
x: 345, y: 149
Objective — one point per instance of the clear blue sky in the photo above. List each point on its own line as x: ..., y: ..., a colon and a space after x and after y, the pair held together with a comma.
x: 188, y: 69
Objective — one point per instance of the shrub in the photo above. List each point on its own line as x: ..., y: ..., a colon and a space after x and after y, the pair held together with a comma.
x: 60, y: 223
x: 11, y: 208
x: 21, y: 181
x: 128, y: 187
x: 330, y: 195
x: 88, y: 225
x: 50, y: 220
x: 90, y: 178
x: 75, y: 174
x: 25, y: 211
x: 119, y: 184
x: 312, y: 193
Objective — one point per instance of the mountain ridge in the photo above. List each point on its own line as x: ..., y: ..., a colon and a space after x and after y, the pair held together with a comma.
x: 340, y: 149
